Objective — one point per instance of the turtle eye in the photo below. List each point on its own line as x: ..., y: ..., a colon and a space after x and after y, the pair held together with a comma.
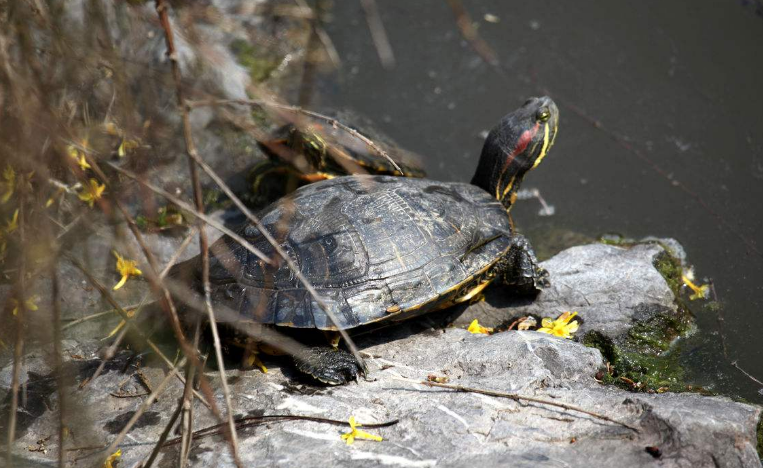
x: 543, y: 115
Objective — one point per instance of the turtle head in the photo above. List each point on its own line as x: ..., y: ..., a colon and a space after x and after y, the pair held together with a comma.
x: 516, y: 145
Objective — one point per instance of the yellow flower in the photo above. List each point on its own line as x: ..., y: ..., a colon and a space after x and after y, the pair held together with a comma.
x: 561, y: 326
x: 356, y: 433
x: 13, y: 224
x: 29, y: 304
x: 79, y: 155
x: 109, y: 463
x: 699, y: 292
x: 475, y: 328
x: 126, y: 146
x: 92, y: 192
x: 126, y: 268
x: 9, y: 181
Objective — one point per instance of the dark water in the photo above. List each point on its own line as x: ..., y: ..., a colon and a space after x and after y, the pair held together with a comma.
x: 680, y: 81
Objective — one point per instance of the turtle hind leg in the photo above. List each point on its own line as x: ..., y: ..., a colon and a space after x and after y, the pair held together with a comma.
x: 329, y: 366
x: 520, y: 268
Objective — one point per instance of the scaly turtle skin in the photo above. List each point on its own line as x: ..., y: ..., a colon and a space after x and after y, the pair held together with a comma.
x: 385, y: 249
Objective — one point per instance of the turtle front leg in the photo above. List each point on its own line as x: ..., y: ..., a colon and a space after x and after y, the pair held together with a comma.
x: 328, y: 365
x: 520, y: 268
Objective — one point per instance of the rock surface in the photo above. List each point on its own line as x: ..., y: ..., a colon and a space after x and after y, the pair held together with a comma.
x: 610, y: 287
x: 437, y: 427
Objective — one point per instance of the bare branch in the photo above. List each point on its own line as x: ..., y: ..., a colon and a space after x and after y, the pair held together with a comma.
x: 516, y: 397
x: 193, y: 159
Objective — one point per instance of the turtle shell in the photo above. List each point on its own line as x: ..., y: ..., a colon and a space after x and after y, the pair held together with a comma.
x: 374, y: 247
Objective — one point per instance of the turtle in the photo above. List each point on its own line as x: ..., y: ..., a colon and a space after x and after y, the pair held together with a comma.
x: 318, y: 147
x: 380, y: 249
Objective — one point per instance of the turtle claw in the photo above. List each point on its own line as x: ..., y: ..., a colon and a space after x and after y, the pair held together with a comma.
x: 330, y: 366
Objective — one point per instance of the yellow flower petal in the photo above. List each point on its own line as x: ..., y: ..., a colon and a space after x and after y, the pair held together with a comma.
x: 476, y: 328
x: 115, y: 330
x: 92, y: 192
x: 126, y: 146
x: 13, y: 223
x: 121, y: 283
x: 109, y: 463
x: 698, y: 292
x: 29, y: 304
x: 561, y: 326
x: 356, y: 433
x: 126, y: 268
x: 9, y: 182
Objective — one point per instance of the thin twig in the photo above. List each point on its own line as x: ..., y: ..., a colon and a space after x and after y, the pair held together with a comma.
x: 92, y: 317
x: 232, y: 318
x: 249, y: 421
x: 193, y: 159
x: 464, y: 23
x: 378, y: 34
x: 328, y: 44
x: 515, y: 397
x: 159, y: 290
x: 146, y: 403
x: 186, y: 405
x: 178, y: 252
x: 163, y: 437
x: 238, y: 238
x: 19, y: 341
x: 749, y: 376
x: 108, y: 355
x: 330, y: 120
x: 128, y: 321
x: 282, y: 253
x: 58, y: 359
x: 190, y: 209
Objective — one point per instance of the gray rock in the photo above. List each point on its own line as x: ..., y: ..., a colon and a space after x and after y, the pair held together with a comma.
x: 436, y: 426
x: 610, y: 287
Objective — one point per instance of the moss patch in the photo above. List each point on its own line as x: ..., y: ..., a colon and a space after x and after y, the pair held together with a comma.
x: 642, y: 359
x: 670, y: 269
x: 760, y: 437
x: 637, y: 371
x: 260, y: 63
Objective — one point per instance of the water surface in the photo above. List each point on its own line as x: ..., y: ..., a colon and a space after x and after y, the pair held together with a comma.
x: 680, y: 82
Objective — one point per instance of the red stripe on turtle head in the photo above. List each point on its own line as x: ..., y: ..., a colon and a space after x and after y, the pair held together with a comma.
x: 524, y: 139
